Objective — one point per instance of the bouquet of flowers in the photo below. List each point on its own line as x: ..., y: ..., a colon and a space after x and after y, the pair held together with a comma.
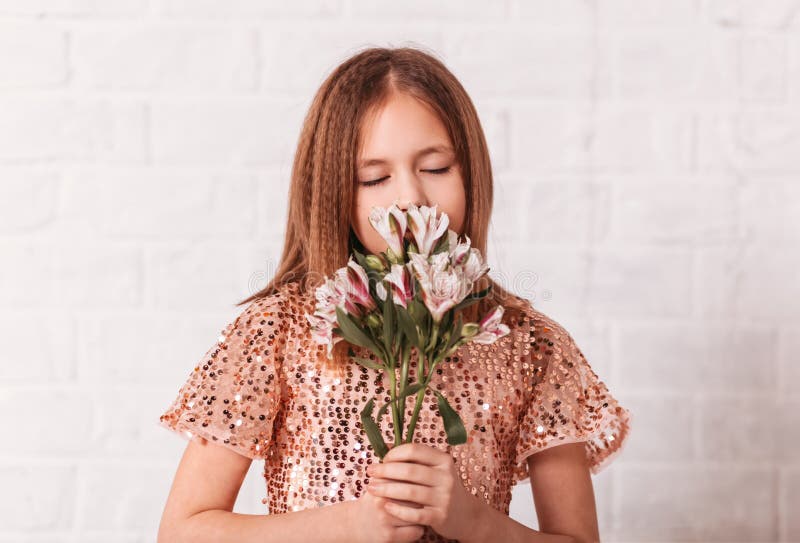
x: 407, y: 297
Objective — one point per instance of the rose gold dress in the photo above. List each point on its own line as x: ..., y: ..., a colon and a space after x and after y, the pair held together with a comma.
x: 259, y: 393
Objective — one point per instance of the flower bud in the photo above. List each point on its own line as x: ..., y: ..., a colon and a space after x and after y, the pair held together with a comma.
x: 373, y: 321
x: 374, y: 263
x: 470, y: 329
x: 393, y: 257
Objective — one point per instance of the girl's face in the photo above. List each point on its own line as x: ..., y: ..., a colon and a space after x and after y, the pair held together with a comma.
x: 407, y: 156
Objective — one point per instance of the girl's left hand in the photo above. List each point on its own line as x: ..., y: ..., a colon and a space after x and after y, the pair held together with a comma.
x: 418, y: 473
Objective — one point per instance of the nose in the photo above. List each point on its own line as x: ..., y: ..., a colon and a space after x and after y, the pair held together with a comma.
x: 411, y: 192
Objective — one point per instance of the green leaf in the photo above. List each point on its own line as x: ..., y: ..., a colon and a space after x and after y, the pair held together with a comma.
x: 352, y: 332
x: 408, y: 326
x: 389, y: 334
x: 456, y: 335
x: 373, y: 431
x: 361, y: 259
x: 456, y: 433
x: 443, y: 244
x: 369, y: 363
x: 472, y: 299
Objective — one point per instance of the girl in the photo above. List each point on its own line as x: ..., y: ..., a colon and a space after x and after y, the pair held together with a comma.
x: 388, y: 125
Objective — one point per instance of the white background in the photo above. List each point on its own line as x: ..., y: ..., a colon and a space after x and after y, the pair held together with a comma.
x: 646, y: 158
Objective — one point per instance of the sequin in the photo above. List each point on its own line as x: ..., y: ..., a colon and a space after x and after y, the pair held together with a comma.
x: 259, y: 392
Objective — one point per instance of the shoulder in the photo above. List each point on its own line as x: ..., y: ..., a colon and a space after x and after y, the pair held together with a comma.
x: 283, y: 303
x: 271, y: 315
x: 542, y: 325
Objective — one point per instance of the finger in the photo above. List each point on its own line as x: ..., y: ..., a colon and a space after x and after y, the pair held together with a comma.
x: 416, y: 452
x: 407, y: 514
x: 423, y: 495
x: 393, y: 520
x: 407, y: 471
x: 410, y: 533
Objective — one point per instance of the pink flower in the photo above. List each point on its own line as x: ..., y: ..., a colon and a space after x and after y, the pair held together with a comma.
x: 322, y: 330
x: 491, y: 329
x: 426, y: 227
x: 391, y: 224
x: 357, y: 288
x: 469, y: 259
x: 400, y: 281
x: 442, y: 286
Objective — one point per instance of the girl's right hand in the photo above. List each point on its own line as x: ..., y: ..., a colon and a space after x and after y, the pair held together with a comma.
x: 372, y: 523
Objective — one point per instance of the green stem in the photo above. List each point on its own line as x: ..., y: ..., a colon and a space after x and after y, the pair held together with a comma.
x: 418, y: 404
x: 395, y: 418
x: 404, y: 353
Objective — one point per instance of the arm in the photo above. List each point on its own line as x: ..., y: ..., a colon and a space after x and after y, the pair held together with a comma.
x: 200, y: 503
x: 563, y: 496
x: 323, y: 524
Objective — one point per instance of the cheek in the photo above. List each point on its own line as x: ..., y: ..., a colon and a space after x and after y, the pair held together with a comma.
x: 451, y: 199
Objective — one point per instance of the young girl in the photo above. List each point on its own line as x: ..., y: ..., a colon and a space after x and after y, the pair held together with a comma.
x: 388, y: 125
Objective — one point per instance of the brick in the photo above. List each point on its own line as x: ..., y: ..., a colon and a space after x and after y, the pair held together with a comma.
x: 789, y: 500
x: 178, y: 272
x: 658, y: 355
x: 164, y: 58
x: 471, y: 10
x: 638, y: 282
x: 753, y: 282
x: 323, y: 48
x: 670, y: 513
x: 549, y: 66
x: 662, y: 427
x: 674, y: 211
x: 788, y: 374
x: 252, y: 133
x: 770, y: 209
x: 764, y: 69
x: 748, y: 142
x: 679, y: 67
x: 654, y: 13
x: 553, y: 277
x: 33, y: 488
x: 64, y: 413
x: 157, y: 204
x: 28, y: 200
x: 607, y: 139
x: 33, y: 129
x: 32, y: 56
x: 229, y: 9
x: 44, y: 345
x: 73, y: 8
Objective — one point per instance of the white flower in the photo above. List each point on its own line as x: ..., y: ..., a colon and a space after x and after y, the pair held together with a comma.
x: 442, y: 286
x: 400, y: 280
x: 491, y: 329
x: 426, y: 227
x: 391, y: 224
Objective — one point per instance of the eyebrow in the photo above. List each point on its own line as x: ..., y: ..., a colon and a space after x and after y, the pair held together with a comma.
x: 427, y: 151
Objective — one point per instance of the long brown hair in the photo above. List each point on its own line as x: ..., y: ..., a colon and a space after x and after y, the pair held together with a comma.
x: 319, y: 238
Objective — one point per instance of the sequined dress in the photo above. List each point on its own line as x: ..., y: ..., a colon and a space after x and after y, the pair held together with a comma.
x: 258, y: 392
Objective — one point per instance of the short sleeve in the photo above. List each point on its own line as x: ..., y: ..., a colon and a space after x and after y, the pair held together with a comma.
x: 234, y: 393
x: 568, y: 402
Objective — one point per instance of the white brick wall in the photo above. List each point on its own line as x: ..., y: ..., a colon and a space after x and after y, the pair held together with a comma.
x: 647, y: 159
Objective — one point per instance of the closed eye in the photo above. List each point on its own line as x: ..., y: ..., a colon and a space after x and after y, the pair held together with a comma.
x: 439, y: 171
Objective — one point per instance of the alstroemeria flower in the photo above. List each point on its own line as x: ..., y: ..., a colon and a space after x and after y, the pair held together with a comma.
x: 358, y: 287
x: 322, y: 330
x: 400, y: 281
x: 443, y: 286
x: 391, y: 224
x: 491, y: 329
x: 426, y: 227
x: 468, y: 258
